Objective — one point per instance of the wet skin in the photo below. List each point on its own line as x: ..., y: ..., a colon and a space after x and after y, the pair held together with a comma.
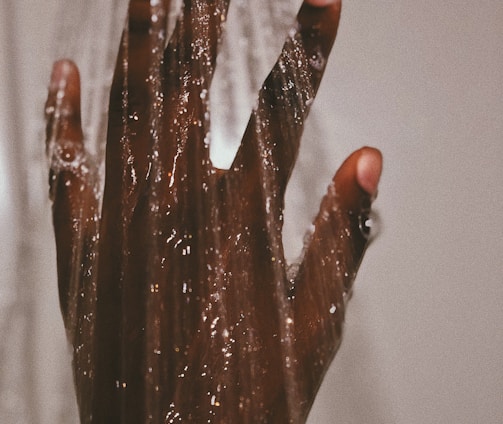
x: 174, y: 289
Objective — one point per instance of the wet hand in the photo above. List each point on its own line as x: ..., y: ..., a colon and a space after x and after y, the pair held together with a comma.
x: 175, y: 293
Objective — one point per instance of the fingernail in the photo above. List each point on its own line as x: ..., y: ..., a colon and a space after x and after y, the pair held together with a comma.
x: 321, y: 3
x: 368, y: 170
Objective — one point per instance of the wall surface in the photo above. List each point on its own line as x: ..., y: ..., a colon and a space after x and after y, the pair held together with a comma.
x: 422, y: 81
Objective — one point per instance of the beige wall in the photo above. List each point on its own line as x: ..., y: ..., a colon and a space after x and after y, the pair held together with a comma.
x: 423, y: 81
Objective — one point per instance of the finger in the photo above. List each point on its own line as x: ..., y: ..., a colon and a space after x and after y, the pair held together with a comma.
x: 273, y: 134
x: 135, y: 97
x: 194, y: 44
x: 190, y: 59
x: 71, y: 187
x: 357, y: 179
x: 142, y: 36
x: 62, y: 108
x: 331, y: 260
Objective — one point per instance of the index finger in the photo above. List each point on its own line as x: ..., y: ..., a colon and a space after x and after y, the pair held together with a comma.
x: 273, y: 134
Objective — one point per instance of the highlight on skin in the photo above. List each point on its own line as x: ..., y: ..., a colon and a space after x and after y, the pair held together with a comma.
x: 173, y: 286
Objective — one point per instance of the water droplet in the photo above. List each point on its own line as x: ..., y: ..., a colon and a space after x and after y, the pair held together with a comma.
x: 369, y: 224
x: 317, y: 60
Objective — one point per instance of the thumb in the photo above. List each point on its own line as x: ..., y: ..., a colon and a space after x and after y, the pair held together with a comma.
x: 356, y: 180
x: 330, y: 263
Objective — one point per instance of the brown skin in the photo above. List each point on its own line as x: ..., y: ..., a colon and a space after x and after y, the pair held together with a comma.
x: 175, y: 297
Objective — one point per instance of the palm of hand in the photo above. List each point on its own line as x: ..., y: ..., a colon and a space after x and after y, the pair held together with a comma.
x: 176, y: 299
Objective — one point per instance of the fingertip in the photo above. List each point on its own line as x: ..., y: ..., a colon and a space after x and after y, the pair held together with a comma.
x: 64, y: 89
x: 323, y: 3
x: 62, y: 109
x: 368, y: 169
x: 65, y: 74
x: 357, y: 179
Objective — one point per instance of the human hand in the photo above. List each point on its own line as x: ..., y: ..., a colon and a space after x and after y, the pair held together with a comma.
x: 176, y: 296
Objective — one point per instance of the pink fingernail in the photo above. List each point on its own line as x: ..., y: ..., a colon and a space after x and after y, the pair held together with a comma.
x: 368, y: 170
x: 321, y: 3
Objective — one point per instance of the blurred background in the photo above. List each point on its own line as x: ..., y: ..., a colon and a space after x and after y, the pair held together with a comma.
x: 422, y: 81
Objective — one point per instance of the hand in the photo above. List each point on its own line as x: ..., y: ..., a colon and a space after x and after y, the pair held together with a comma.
x: 176, y: 296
